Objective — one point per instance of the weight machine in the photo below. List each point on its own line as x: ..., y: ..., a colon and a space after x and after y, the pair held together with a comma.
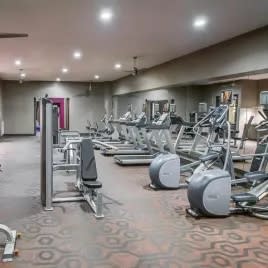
x: 85, y: 167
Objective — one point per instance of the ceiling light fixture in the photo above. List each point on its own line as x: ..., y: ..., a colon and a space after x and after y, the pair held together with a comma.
x: 106, y: 15
x: 17, y: 62
x: 96, y: 76
x: 117, y: 66
x: 200, y: 22
x: 65, y: 70
x: 77, y: 54
x: 58, y: 79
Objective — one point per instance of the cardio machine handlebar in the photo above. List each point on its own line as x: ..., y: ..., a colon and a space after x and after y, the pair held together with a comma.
x: 215, y: 119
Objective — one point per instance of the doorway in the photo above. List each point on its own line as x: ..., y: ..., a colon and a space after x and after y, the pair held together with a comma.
x: 62, y: 105
x: 59, y: 102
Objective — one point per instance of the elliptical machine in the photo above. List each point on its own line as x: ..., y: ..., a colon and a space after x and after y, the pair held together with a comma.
x: 209, y: 193
x: 165, y: 169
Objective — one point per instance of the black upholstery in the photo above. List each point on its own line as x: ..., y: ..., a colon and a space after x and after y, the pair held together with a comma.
x: 92, y: 184
x: 244, y: 197
x: 88, y: 163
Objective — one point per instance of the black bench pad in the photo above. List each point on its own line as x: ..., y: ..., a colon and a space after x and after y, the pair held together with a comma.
x: 92, y: 184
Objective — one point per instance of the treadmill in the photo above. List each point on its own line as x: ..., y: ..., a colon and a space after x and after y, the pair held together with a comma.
x: 157, y: 131
x: 124, y: 138
x: 136, y: 135
x: 109, y: 133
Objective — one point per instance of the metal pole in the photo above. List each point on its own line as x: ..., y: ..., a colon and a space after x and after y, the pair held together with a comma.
x: 49, y: 158
x: 43, y: 151
x: 99, y: 206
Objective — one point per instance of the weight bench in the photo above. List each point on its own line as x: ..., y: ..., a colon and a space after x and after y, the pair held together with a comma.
x: 87, y: 176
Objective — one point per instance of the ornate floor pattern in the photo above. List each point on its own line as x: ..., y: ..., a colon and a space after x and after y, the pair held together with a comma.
x: 141, y: 228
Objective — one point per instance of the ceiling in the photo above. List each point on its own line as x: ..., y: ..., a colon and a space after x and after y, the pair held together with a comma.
x: 155, y: 30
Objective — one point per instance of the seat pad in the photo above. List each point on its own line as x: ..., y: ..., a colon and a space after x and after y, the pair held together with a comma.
x: 92, y: 184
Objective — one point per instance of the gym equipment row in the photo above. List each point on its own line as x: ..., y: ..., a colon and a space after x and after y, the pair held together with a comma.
x: 209, y: 191
x: 215, y: 156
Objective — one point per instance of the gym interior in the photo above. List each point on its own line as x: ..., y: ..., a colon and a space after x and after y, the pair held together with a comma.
x: 134, y: 133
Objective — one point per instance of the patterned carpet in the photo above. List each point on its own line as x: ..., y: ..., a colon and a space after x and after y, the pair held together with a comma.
x: 141, y: 228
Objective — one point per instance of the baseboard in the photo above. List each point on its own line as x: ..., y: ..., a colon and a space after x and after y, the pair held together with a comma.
x: 18, y: 135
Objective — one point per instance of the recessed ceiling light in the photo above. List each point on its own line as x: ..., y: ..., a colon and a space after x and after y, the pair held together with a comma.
x: 58, y: 79
x: 117, y: 66
x: 96, y: 76
x: 77, y: 54
x: 65, y: 70
x: 200, y: 22
x: 17, y: 62
x: 23, y: 75
x: 106, y: 15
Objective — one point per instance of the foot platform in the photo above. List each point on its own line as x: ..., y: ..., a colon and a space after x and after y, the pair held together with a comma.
x: 11, y: 238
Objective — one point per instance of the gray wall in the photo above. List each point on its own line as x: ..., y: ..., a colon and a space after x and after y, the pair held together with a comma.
x: 18, y: 103
x: 186, y: 99
x: 211, y: 91
x: 263, y: 85
x: 242, y: 54
x: 248, y: 91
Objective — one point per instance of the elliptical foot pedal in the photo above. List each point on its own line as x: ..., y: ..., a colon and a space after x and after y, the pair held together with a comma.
x: 244, y: 197
x: 9, y: 250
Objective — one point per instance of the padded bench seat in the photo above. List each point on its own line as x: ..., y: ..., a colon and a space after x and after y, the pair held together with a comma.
x: 92, y: 184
